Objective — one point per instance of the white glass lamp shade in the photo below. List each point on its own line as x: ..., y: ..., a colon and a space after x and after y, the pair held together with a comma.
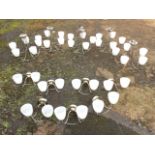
x: 17, y: 78
x: 76, y: 84
x: 113, y: 97
x: 33, y: 50
x: 60, y: 113
x: 26, y: 109
x: 83, y: 35
x: 122, y: 39
x: 15, y: 52
x: 127, y: 46
x: 112, y: 34
x: 70, y: 36
x: 38, y: 40
x: 115, y: 51
x: 98, y: 105
x: 92, y: 39
x: 46, y: 43
x: 35, y: 76
x: 81, y: 111
x: 99, y: 42
x: 26, y: 40
x: 61, y: 41
x: 60, y: 83
x: 47, y: 111
x: 47, y: 33
x: 99, y: 35
x: 85, y: 45
x: 38, y: 37
x: 124, y: 59
x: 71, y: 43
x: 142, y: 60
x: 12, y: 45
x: 94, y: 84
x: 113, y: 44
x: 61, y: 34
x: 143, y: 51
x: 125, y: 82
x: 42, y: 86
x: 108, y: 84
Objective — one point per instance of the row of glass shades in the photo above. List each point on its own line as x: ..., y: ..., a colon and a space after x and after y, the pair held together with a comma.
x: 59, y: 83
x: 60, y: 112
x: 124, y: 59
x: 81, y: 110
x: 97, y: 39
x: 61, y: 40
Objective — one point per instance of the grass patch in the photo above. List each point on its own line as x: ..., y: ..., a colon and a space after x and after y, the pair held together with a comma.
x: 9, y: 25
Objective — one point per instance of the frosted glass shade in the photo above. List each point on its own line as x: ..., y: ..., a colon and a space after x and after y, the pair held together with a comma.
x: 42, y: 86
x: 98, y: 106
x: 47, y: 111
x: 94, y: 84
x: 76, y: 84
x: 60, y: 83
x: 82, y: 111
x: 27, y: 109
x: 17, y: 78
x: 113, y: 97
x: 125, y: 82
x: 108, y: 84
x: 60, y: 113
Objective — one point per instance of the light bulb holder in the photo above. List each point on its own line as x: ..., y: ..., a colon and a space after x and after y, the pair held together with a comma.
x: 85, y: 81
x: 51, y: 28
x: 51, y: 83
x: 72, y: 107
x: 95, y: 98
x: 28, y: 76
x: 23, y: 35
x: 133, y: 42
x: 42, y: 101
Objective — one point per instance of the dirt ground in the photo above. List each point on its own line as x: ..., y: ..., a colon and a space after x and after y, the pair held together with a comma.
x: 136, y: 105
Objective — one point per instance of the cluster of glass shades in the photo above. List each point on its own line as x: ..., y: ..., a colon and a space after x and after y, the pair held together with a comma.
x: 77, y: 84
x: 116, y: 46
